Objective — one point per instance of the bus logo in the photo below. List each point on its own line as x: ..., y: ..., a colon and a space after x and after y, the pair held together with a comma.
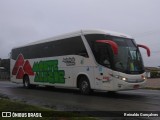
x: 22, y: 67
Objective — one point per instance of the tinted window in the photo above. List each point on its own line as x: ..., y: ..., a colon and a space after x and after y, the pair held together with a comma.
x: 102, y: 52
x: 69, y: 46
x: 128, y: 59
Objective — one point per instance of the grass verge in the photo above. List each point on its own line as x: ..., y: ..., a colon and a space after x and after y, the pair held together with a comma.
x: 15, y: 106
x: 152, y: 88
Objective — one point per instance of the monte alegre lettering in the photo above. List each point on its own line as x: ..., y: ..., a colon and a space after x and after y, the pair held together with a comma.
x: 47, y: 71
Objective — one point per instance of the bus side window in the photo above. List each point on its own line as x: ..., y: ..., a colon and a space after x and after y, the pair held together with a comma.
x: 75, y: 46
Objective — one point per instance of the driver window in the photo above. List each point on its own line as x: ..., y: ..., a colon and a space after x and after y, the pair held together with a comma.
x: 102, y: 55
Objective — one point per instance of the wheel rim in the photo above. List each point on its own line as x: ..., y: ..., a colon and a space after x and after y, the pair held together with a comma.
x: 26, y: 83
x: 84, y: 86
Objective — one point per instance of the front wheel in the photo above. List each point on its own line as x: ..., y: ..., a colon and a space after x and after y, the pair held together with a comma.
x: 84, y: 86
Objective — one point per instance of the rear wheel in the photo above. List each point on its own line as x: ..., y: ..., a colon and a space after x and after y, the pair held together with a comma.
x: 26, y: 82
x: 84, y: 86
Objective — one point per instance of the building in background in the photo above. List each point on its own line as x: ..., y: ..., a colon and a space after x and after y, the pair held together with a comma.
x: 4, y: 69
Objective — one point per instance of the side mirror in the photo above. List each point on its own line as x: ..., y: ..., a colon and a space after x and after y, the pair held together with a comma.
x: 111, y: 43
x: 147, y: 49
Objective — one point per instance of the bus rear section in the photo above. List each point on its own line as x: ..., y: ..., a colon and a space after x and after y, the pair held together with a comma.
x: 61, y: 61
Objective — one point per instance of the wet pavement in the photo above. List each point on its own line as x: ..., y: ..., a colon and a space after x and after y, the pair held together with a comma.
x: 153, y: 83
x: 72, y: 100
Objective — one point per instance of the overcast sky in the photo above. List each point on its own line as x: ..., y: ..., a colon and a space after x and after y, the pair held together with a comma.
x: 25, y: 21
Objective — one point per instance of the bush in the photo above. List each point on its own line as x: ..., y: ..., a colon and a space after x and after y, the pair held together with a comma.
x: 155, y: 74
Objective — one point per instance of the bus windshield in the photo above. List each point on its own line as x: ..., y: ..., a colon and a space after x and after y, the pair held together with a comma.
x: 128, y: 60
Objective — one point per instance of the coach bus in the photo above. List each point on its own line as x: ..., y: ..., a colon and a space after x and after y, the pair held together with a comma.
x: 86, y: 59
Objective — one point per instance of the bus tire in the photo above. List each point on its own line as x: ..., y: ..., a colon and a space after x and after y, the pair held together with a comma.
x: 84, y: 86
x: 26, y: 82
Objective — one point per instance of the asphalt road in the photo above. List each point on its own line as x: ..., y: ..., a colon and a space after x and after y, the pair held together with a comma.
x: 72, y: 100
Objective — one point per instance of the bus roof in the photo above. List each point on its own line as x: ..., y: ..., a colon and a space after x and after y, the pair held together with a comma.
x: 107, y: 32
x: 73, y: 34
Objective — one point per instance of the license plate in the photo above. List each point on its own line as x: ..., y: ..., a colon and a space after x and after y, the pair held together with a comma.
x: 136, y: 86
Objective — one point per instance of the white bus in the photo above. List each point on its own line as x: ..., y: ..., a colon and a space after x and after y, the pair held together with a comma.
x: 86, y: 59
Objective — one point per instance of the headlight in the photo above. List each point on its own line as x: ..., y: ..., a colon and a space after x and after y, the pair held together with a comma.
x: 123, y: 78
x: 120, y: 77
x: 143, y: 77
